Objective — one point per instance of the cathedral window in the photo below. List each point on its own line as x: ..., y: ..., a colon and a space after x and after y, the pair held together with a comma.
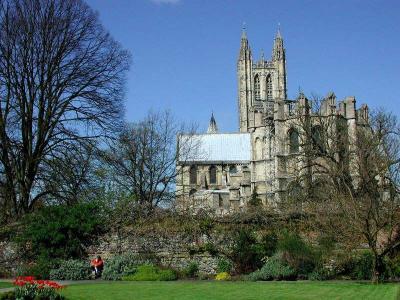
x: 269, y: 88
x: 317, y: 139
x: 213, y: 175
x: 232, y: 169
x: 293, y: 141
x: 192, y: 192
x: 257, y: 95
x: 193, y: 175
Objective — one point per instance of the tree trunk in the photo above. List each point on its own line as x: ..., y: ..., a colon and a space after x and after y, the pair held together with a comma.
x: 378, y: 268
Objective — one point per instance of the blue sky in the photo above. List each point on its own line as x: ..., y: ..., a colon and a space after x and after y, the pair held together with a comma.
x: 184, y: 51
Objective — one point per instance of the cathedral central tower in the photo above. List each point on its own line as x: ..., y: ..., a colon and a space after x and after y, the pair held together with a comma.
x: 260, y: 83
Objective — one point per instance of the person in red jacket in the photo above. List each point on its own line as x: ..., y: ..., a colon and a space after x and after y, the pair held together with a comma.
x: 97, y: 265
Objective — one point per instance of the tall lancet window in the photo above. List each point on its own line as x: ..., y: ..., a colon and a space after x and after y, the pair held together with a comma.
x: 213, y: 175
x: 193, y: 174
x: 257, y: 95
x: 294, y: 144
x: 269, y: 88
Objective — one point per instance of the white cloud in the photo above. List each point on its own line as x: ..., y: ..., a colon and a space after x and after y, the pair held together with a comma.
x: 166, y: 1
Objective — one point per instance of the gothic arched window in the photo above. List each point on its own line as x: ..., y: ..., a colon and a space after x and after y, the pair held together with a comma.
x: 293, y: 141
x: 257, y: 95
x: 213, y: 175
x: 317, y: 139
x: 193, y: 175
x: 232, y: 169
x: 269, y: 88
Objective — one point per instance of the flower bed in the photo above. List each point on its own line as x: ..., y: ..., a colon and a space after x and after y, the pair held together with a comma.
x: 27, y: 287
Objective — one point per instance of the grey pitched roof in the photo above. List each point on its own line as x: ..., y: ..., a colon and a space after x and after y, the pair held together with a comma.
x: 219, y: 147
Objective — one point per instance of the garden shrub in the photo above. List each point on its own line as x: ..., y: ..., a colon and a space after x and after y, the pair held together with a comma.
x: 223, y: 276
x: 269, y: 243
x: 192, y: 270
x: 246, y: 252
x: 363, y: 268
x: 274, y: 269
x: 7, y: 295
x: 394, y: 266
x: 297, y: 253
x: 60, y: 231
x: 358, y: 265
x: 224, y: 265
x: 122, y: 265
x: 71, y: 270
x: 151, y: 273
x: 320, y: 274
x: 39, y: 269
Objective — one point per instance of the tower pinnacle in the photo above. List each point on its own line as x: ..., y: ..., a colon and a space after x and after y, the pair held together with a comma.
x: 278, y: 33
x: 244, y: 34
x: 212, y: 127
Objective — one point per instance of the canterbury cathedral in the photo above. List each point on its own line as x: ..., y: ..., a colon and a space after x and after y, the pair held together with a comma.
x: 222, y: 171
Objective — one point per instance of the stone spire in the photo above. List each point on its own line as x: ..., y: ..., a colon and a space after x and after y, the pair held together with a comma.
x: 245, y: 51
x: 244, y: 75
x: 278, y: 52
x: 279, y: 59
x: 212, y: 127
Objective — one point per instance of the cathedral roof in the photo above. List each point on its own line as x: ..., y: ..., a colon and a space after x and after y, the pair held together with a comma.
x: 216, y: 148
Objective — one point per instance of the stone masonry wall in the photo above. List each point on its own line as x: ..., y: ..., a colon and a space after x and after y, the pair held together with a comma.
x: 175, y: 250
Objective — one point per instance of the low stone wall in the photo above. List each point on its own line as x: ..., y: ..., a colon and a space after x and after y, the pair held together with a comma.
x: 175, y: 250
x: 172, y: 249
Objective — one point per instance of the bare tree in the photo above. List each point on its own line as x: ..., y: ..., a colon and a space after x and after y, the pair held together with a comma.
x: 350, y: 179
x: 143, y: 161
x: 72, y: 176
x: 61, y: 82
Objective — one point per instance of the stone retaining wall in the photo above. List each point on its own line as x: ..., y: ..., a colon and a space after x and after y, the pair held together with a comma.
x: 175, y: 250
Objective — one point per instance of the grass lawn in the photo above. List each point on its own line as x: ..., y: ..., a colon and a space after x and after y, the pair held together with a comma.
x: 232, y: 290
x: 4, y: 285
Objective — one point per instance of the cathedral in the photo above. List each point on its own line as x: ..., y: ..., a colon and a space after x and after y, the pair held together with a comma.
x: 222, y: 171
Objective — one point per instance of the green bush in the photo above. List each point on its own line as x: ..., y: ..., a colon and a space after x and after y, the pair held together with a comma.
x: 297, y: 253
x: 60, y: 231
x: 71, y: 270
x: 358, y: 265
x: 394, y: 266
x: 269, y: 243
x: 39, y: 269
x: 363, y: 269
x: 151, y: 273
x: 274, y: 269
x: 224, y: 265
x: 7, y: 295
x: 246, y: 253
x: 192, y: 270
x: 320, y: 274
x: 119, y: 266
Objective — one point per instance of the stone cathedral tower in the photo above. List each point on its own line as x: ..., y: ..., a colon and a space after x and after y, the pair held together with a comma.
x: 261, y: 83
x: 261, y: 93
